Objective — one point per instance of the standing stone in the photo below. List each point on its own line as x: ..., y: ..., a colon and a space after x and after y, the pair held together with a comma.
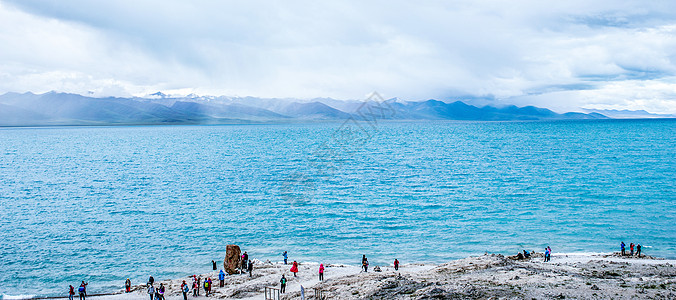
x: 232, y: 256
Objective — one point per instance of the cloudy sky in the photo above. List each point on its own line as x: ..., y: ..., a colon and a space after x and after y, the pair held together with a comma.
x: 564, y: 55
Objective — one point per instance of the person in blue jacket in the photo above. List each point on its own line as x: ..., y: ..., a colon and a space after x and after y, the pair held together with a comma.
x: 286, y: 257
x: 82, y: 290
x: 622, y: 248
x: 221, y: 277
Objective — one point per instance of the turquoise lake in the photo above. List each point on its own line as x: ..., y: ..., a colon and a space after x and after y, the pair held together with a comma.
x: 101, y: 204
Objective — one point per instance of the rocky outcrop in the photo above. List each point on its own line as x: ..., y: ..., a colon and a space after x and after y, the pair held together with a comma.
x: 231, y: 261
x: 482, y: 277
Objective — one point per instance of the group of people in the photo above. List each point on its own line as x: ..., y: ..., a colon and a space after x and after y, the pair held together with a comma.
x: 294, y: 269
x: 548, y: 254
x: 197, y: 283
x: 623, y: 251
x: 246, y: 265
x: 364, y: 263
x: 156, y: 293
x: 524, y: 255
x: 81, y: 290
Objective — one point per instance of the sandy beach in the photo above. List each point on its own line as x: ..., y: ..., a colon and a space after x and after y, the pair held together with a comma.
x: 490, y: 276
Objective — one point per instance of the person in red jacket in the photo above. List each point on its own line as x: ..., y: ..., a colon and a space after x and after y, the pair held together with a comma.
x: 294, y: 268
x: 71, y: 293
x: 195, y: 288
x: 321, y: 272
x: 396, y: 264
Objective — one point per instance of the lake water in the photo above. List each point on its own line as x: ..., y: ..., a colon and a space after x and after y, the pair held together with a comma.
x: 105, y: 203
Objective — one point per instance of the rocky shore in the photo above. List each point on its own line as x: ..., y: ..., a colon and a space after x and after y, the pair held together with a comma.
x: 491, y: 276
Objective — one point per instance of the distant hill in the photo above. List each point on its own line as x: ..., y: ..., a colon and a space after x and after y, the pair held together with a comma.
x: 312, y: 110
x: 53, y: 108
x: 628, y: 114
x: 228, y: 111
x: 438, y: 110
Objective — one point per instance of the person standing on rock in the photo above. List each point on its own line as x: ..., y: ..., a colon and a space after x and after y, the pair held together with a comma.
x: 195, y: 288
x: 546, y: 255
x: 71, y: 292
x: 638, y: 250
x: 283, y: 282
x: 396, y: 264
x: 211, y: 284
x: 321, y: 272
x: 213, y: 265
x: 127, y: 285
x: 242, y: 266
x: 622, y: 248
x: 250, y: 268
x: 82, y: 293
x: 364, y: 263
x: 161, y: 291
x: 82, y: 290
x: 245, y: 258
x: 286, y: 257
x: 185, y: 289
x: 221, y: 277
x: 206, y: 288
x: 151, y: 291
x: 294, y: 268
x: 631, y: 249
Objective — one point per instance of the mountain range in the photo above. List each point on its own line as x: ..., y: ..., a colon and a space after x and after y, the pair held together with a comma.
x: 54, y: 108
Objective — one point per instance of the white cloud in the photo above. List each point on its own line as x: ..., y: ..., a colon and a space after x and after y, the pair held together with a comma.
x: 563, y: 55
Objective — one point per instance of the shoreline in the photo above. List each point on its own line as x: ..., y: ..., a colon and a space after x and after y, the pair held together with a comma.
x: 569, y: 275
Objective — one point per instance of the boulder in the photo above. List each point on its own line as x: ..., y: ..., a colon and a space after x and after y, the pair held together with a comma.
x: 231, y: 261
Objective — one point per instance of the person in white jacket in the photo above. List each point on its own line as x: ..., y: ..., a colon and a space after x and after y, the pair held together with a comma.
x: 151, y: 291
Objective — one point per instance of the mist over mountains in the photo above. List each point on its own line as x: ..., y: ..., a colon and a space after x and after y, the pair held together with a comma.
x: 54, y: 108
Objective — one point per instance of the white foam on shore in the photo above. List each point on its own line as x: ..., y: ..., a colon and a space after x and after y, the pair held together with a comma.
x: 129, y: 296
x: 14, y: 297
x: 584, y: 257
x: 580, y: 254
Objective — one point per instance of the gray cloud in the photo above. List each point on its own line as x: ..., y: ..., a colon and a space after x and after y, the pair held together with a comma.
x: 524, y: 52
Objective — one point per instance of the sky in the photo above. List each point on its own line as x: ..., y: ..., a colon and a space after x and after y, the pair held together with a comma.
x: 563, y: 55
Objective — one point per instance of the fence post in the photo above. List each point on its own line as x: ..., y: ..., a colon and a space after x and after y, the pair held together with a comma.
x: 319, y: 294
x: 271, y: 293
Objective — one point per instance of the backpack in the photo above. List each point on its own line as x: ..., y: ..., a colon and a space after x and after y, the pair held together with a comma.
x: 81, y: 289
